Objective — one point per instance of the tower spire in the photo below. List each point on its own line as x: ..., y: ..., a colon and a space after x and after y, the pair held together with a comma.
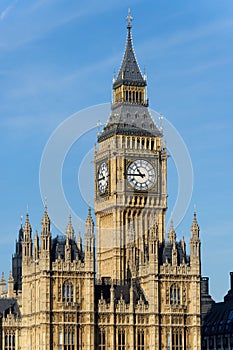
x: 129, y: 78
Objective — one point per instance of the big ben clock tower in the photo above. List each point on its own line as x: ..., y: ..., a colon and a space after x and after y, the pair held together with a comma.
x: 130, y: 174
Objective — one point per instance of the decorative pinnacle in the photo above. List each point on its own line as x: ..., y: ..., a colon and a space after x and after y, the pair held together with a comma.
x: 129, y: 20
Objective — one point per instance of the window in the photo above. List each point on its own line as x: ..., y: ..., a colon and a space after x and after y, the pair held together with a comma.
x: 9, y: 341
x: 67, y: 292
x: 102, y: 339
x: 121, y: 339
x: 174, y: 295
x: 60, y: 340
x: 69, y: 339
x: 66, y: 340
x: 177, y: 339
x: 168, y: 341
x: 141, y: 340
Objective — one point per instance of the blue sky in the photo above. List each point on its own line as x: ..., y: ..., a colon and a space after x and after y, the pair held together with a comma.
x: 58, y: 57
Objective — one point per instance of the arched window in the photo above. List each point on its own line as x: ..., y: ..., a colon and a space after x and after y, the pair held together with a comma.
x: 174, y: 294
x: 121, y: 339
x: 102, y: 339
x: 60, y: 340
x: 133, y: 142
x: 10, y: 341
x: 67, y: 342
x: 67, y: 292
x: 177, y: 339
x: 140, y: 340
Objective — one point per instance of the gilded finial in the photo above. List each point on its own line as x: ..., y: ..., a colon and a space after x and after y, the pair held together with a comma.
x: 129, y: 19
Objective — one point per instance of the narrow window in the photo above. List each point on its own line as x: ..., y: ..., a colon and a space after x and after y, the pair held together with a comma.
x: 67, y: 292
x: 174, y: 295
x: 121, y: 339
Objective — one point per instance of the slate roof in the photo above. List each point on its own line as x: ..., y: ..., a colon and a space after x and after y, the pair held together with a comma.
x: 58, y: 248
x: 130, y: 119
x: 167, y: 254
x: 129, y: 73
x: 219, y: 319
x: 9, y: 305
x: 120, y: 291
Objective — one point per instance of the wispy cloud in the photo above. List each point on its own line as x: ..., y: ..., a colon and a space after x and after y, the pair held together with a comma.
x: 28, y: 20
x: 5, y: 12
x: 182, y: 37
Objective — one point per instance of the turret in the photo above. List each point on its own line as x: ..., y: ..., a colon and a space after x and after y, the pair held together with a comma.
x: 79, y: 242
x: 27, y: 241
x: 70, y: 229
x: 89, y: 241
x: 36, y: 246
x: 171, y: 234
x: 2, y: 285
x: 154, y: 249
x: 195, y: 245
x: 10, y: 293
x: 89, y: 234
x: 69, y: 237
x: 45, y: 241
x: 17, y: 261
x: 45, y: 236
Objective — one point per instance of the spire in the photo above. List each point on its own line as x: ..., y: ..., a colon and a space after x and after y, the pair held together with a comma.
x: 36, y: 246
x: 27, y: 229
x: 79, y: 242
x: 27, y: 240
x: 70, y: 229
x: 45, y: 223
x: 45, y: 235
x: 89, y: 224
x: 20, y: 236
x: 129, y: 114
x: 195, y: 244
x: 129, y: 73
x: 89, y: 235
x: 195, y: 229
x: 172, y: 233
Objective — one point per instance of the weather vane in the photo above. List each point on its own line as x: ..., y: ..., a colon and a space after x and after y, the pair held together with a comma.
x: 129, y: 18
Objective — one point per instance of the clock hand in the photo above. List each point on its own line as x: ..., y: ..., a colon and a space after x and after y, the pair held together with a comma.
x: 142, y: 175
x: 130, y: 174
x: 101, y: 178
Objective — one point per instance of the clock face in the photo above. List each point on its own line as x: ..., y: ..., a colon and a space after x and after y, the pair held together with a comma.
x: 102, y: 177
x: 141, y: 175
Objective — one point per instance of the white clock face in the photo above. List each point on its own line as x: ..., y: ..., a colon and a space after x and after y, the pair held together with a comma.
x: 141, y: 175
x: 102, y: 177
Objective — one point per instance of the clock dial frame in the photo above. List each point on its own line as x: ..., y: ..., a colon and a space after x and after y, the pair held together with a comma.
x: 141, y: 175
x: 102, y: 178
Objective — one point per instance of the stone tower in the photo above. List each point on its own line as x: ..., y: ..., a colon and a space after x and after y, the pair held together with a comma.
x: 130, y: 173
x: 155, y: 276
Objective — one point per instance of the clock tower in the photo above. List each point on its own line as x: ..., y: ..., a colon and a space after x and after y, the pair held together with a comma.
x: 130, y: 176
